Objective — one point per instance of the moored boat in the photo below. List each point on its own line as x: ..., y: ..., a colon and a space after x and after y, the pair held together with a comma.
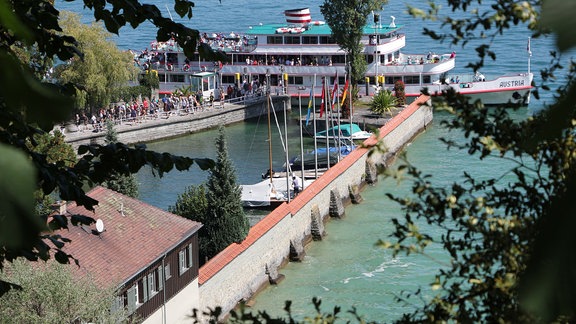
x: 349, y: 131
x: 296, y: 54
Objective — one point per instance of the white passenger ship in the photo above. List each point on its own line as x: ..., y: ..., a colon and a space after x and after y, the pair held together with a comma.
x: 297, y: 54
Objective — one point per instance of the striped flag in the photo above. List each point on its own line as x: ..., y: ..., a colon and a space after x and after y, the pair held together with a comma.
x: 322, y: 100
x: 345, y: 92
x: 309, y: 106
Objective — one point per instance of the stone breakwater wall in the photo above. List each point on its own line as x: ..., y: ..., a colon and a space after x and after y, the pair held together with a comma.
x: 239, y: 272
x: 179, y: 123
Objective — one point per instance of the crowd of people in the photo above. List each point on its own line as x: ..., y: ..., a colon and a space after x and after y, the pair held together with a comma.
x: 137, y: 111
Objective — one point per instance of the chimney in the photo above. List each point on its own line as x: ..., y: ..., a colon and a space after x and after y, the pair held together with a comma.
x: 59, y: 207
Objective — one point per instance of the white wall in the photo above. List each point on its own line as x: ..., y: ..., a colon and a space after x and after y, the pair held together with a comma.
x: 179, y: 308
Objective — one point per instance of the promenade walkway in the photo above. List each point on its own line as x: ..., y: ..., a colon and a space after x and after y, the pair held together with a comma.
x: 174, y: 123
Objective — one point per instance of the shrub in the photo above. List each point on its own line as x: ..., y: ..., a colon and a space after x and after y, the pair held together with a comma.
x: 399, y: 91
x: 383, y: 102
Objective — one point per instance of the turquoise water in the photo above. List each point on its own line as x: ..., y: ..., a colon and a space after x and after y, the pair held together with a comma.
x: 345, y: 268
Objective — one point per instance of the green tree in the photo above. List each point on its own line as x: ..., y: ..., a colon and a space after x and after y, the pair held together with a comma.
x: 347, y: 19
x: 224, y: 196
x: 123, y: 183
x: 150, y: 81
x: 218, y: 207
x: 58, y: 153
x: 102, y: 68
x: 193, y: 204
x: 53, y: 294
x: 31, y: 104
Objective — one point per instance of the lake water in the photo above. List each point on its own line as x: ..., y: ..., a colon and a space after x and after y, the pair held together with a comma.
x: 345, y: 268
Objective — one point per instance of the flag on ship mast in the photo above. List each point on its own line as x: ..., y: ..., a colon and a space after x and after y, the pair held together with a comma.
x: 322, y: 100
x: 528, y: 47
x: 309, y: 106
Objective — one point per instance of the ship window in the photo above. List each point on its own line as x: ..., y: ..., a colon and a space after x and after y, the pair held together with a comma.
x: 392, y: 79
x: 327, y: 40
x: 309, y: 40
x: 412, y: 79
x: 292, y: 40
x: 228, y: 79
x: 161, y: 77
x: 298, y: 80
x: 339, y: 59
x: 177, y: 78
x: 426, y: 79
x: 274, y: 40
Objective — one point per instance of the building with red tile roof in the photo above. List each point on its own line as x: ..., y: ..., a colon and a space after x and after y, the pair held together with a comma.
x: 151, y: 255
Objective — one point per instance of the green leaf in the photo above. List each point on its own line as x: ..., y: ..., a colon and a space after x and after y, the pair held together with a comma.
x: 558, y: 15
x: 12, y: 23
x: 19, y: 225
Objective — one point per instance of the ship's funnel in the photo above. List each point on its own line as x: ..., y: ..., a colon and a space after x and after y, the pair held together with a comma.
x: 298, y: 17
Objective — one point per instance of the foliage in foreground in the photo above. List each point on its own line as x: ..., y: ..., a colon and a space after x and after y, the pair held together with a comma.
x: 507, y: 236
x: 217, y: 205
x: 30, y: 104
x: 51, y: 293
x: 244, y: 315
x: 125, y: 184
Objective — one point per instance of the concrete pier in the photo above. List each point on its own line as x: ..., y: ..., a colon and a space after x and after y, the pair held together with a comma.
x: 176, y: 123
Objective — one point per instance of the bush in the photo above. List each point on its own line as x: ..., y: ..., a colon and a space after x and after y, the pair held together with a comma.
x: 399, y: 91
x: 383, y: 102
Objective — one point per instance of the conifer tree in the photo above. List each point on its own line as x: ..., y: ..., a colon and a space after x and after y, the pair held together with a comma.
x: 228, y: 222
x: 123, y: 183
x: 217, y: 205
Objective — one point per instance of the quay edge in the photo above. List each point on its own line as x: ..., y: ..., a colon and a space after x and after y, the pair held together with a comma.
x: 242, y: 270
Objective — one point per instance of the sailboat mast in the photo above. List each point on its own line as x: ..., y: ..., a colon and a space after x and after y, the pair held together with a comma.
x: 269, y: 125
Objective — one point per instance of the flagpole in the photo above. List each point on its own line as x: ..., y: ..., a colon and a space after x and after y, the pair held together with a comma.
x: 328, y: 103
x: 315, y: 131
x: 301, y: 141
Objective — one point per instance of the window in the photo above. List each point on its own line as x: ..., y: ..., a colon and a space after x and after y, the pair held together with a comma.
x: 274, y: 39
x: 412, y: 79
x: 392, y: 79
x: 185, y: 258
x: 142, y: 290
x: 167, y: 271
x: 153, y: 283
x: 327, y: 40
x: 133, y: 298
x: 177, y: 78
x: 228, y: 79
x: 297, y: 80
x: 292, y: 40
x: 309, y: 39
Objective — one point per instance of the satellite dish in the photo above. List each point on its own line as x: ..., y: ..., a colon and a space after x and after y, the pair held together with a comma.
x: 99, y: 226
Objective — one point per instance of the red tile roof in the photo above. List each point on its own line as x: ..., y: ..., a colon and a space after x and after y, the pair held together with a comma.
x: 135, y: 234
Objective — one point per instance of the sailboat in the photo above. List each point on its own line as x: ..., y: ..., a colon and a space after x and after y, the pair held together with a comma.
x: 273, y: 191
